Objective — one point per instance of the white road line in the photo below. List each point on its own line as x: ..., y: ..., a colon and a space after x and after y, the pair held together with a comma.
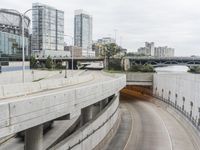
x: 167, y: 131
x: 132, y: 118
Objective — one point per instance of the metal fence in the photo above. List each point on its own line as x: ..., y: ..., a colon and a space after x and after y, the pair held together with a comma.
x: 188, y: 115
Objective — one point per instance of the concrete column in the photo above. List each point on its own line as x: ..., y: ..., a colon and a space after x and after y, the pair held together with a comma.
x: 103, y: 104
x: 34, y: 138
x: 86, y: 115
x: 95, y: 109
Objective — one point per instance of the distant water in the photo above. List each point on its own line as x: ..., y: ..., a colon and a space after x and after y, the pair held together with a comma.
x: 172, y: 69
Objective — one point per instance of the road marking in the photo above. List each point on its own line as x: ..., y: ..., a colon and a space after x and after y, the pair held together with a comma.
x: 167, y: 131
x: 129, y: 137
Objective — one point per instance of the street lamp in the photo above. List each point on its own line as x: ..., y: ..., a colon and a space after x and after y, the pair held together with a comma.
x: 199, y: 117
x: 191, y: 105
x: 183, y: 103
x: 22, y: 15
x: 176, y: 95
x: 169, y: 95
x: 72, y: 53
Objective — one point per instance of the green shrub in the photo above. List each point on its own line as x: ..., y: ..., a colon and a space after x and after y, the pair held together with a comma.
x: 141, y: 68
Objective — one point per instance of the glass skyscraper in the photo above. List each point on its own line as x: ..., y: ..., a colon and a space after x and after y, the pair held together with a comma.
x: 11, y: 46
x: 11, y: 35
x: 11, y: 40
x: 83, y: 32
x: 48, y: 28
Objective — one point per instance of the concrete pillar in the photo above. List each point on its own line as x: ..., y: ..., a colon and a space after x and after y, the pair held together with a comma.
x: 34, y: 138
x: 86, y: 115
x: 95, y: 109
x: 103, y: 103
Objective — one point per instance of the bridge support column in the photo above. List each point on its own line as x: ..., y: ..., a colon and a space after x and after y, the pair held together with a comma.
x: 89, y: 113
x: 103, y: 103
x: 96, y: 109
x: 34, y: 138
x: 86, y: 114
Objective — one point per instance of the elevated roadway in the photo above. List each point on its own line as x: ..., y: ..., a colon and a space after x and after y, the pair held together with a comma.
x: 28, y: 112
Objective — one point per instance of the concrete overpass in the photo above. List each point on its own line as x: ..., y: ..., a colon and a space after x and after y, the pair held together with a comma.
x: 76, y: 60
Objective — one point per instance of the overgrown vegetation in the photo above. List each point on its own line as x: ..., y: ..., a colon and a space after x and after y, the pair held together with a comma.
x: 194, y: 69
x: 109, y: 51
x: 115, y: 64
x: 33, y: 62
x: 141, y: 68
x: 47, y: 64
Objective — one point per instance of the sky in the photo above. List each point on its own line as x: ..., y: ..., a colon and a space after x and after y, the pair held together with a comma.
x: 174, y: 23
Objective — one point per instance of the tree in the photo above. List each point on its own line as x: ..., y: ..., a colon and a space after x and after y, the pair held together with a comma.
x: 33, y: 62
x: 194, y: 69
x: 109, y: 51
x: 49, y: 62
x: 142, y: 68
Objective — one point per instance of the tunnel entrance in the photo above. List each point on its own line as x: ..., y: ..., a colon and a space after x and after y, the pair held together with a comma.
x: 130, y: 92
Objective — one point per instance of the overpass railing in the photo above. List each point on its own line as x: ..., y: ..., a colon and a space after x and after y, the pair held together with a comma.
x: 162, y: 58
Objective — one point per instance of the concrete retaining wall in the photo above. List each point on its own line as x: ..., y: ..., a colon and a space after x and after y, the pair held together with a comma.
x: 21, y: 113
x: 90, y: 135
x: 185, y: 86
x: 139, y: 78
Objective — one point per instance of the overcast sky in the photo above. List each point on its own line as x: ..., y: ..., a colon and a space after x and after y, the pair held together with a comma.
x: 175, y: 23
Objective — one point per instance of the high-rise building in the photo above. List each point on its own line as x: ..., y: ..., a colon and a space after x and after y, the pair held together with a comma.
x: 48, y: 30
x: 83, y: 32
x: 150, y: 47
x: 148, y: 50
x: 11, y: 40
x: 164, y: 52
x: 151, y: 50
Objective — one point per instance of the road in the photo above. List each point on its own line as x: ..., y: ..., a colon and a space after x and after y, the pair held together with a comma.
x: 147, y: 126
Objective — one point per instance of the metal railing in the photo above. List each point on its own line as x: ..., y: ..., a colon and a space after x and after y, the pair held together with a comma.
x: 187, y: 115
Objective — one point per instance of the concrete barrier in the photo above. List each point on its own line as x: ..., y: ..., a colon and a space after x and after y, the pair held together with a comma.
x: 145, y: 79
x: 91, y: 134
x: 19, y: 89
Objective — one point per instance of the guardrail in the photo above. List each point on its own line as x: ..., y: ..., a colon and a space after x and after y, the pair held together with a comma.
x: 20, y: 89
x: 187, y: 115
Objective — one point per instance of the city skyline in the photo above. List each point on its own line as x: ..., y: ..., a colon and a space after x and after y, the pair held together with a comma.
x: 170, y: 23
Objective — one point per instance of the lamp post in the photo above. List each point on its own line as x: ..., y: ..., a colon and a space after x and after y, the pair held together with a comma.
x: 191, y: 106
x: 176, y: 96
x: 72, y: 53
x: 22, y: 15
x: 199, y: 117
x: 183, y: 103
x: 169, y: 95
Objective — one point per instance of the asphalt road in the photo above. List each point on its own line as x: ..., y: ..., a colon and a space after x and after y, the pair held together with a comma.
x: 152, y: 128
